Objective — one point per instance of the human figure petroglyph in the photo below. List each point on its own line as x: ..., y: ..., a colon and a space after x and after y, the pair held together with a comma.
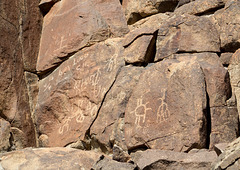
x: 140, y: 111
x: 47, y: 87
x: 111, y: 62
x: 162, y: 111
x: 65, y: 125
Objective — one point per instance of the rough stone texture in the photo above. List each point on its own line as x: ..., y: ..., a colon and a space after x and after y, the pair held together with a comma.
x: 141, y: 50
x: 234, y: 69
x: 30, y: 33
x: 107, y: 164
x: 225, y: 58
x: 70, y: 97
x: 229, y: 159
x: 138, y: 9
x: 219, y: 148
x: 224, y: 127
x: 46, y: 5
x: 32, y: 87
x: 15, y: 19
x: 157, y: 116
x: 224, y: 119
x: 4, y: 135
x: 200, y: 7
x: 160, y: 159
x: 227, y: 21
x: 86, y: 22
x: 154, y: 22
x: 108, y: 127
x: 217, y: 77
x: 186, y: 33
x: 49, y: 158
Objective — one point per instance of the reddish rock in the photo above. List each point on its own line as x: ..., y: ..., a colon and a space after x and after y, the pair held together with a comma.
x: 168, y: 114
x: 187, y: 34
x: 224, y: 125
x: 199, y: 7
x: 49, y: 158
x: 224, y: 119
x: 217, y: 77
x: 15, y: 18
x: 141, y: 50
x: 138, y: 9
x: 227, y: 21
x: 109, y: 125
x: 73, y: 25
x: 70, y: 97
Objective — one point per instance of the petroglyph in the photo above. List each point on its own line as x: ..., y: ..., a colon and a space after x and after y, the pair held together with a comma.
x: 111, y: 63
x: 140, y: 111
x: 65, y: 125
x: 162, y: 111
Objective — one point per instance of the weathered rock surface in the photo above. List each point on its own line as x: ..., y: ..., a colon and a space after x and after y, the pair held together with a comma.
x: 86, y: 22
x: 4, y: 135
x: 138, y: 9
x: 106, y: 164
x: 49, y: 158
x: 156, y: 116
x: 108, y: 129
x: 160, y: 159
x: 229, y: 159
x: 223, y: 118
x: 227, y: 21
x: 187, y: 34
x: 200, y: 7
x: 20, y: 32
x: 234, y: 69
x: 70, y: 97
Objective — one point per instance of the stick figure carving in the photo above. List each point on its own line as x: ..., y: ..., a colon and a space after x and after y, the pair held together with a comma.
x: 162, y: 112
x: 140, y: 111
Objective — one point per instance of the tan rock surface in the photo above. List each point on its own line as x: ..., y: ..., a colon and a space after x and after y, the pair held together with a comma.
x: 49, y: 158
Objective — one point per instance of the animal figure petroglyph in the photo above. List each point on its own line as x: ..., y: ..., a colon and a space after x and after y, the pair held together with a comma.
x: 162, y: 111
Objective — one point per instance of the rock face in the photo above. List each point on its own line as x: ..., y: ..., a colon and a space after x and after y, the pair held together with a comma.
x: 157, y: 159
x: 137, y: 9
x: 148, y: 84
x: 49, y: 158
x: 20, y: 25
x: 229, y: 159
x: 86, y: 22
x: 72, y: 95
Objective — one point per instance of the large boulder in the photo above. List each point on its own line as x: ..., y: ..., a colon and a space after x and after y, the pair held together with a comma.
x: 48, y: 158
x: 199, y: 7
x: 71, y: 96
x: 186, y: 34
x: 108, y: 129
x: 72, y: 25
x: 170, y: 113
x: 160, y: 159
x: 227, y: 21
x: 138, y: 9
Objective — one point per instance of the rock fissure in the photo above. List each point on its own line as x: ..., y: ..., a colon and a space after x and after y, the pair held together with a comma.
x: 88, y: 132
